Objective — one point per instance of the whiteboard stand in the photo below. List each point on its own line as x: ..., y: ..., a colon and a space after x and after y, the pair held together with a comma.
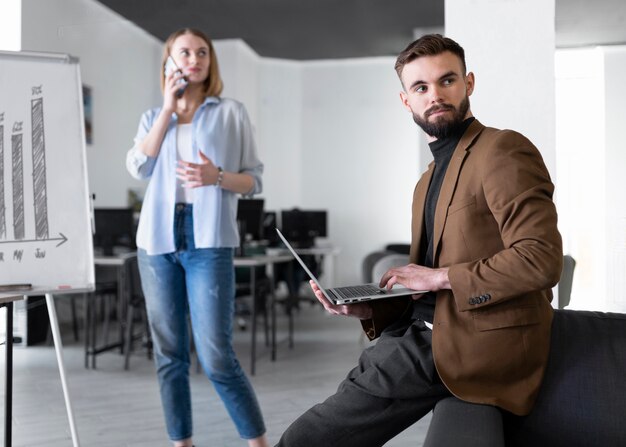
x: 45, y: 206
x: 58, y: 347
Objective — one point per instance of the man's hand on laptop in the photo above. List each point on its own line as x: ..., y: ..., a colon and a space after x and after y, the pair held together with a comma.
x: 362, y: 311
x: 416, y: 277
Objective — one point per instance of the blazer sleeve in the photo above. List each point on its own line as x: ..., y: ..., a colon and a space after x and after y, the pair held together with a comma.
x: 518, y: 192
x: 385, y: 312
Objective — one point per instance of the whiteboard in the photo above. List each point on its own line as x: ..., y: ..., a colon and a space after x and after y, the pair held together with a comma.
x: 45, y: 210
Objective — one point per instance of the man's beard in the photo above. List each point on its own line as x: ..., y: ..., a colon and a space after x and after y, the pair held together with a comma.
x: 442, y: 127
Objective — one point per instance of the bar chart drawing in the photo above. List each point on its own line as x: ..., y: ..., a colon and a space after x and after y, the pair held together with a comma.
x: 45, y: 210
x: 17, y: 175
x: 39, y: 167
x: 17, y: 171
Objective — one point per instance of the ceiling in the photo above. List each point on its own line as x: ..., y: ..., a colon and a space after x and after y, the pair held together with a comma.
x: 330, y: 29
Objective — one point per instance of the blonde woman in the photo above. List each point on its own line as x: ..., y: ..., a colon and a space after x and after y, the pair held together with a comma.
x: 198, y: 154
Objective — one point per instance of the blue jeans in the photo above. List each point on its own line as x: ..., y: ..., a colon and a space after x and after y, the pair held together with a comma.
x: 196, y: 283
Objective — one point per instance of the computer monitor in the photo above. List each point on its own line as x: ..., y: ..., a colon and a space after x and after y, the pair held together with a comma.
x: 270, y: 223
x: 115, y: 227
x: 301, y: 227
x: 250, y: 219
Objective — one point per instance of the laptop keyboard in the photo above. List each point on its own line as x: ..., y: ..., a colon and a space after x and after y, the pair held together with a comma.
x: 357, y: 291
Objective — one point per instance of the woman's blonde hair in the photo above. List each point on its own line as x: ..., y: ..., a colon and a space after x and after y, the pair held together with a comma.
x: 213, y: 84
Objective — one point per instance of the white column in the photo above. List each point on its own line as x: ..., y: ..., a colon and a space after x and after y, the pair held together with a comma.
x: 581, y: 154
x: 591, y: 161
x: 615, y: 181
x: 11, y: 25
x: 509, y: 45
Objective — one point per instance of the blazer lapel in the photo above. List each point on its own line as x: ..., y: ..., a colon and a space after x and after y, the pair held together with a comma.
x: 449, y: 184
x: 417, y: 224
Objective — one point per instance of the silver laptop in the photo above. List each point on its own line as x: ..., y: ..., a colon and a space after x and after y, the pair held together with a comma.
x: 351, y: 294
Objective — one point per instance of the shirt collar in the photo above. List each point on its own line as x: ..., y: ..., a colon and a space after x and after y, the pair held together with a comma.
x: 208, y: 100
x: 211, y: 100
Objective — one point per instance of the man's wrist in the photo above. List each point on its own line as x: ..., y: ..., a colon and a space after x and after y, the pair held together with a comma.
x: 444, y: 280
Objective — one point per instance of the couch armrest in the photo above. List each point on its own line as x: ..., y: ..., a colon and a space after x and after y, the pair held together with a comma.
x: 582, y: 401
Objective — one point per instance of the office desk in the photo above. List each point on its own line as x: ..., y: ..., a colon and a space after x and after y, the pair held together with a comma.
x: 267, y: 261
x: 329, y: 254
x: 118, y: 262
x: 7, y: 302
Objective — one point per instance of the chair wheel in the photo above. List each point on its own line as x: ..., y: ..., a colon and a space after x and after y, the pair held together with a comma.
x: 242, y: 324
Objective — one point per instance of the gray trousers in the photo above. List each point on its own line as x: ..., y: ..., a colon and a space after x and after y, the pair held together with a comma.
x: 394, y: 385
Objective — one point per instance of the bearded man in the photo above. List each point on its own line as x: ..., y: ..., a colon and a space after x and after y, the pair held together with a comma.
x: 485, y: 244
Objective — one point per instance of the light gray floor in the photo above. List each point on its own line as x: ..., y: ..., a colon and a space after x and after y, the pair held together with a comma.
x: 119, y: 408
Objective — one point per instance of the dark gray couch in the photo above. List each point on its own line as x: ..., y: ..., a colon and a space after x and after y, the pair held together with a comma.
x: 582, y: 401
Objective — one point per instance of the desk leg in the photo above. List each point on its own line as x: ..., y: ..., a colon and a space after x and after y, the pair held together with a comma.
x: 273, y: 314
x: 8, y: 379
x: 122, y: 303
x: 253, y: 293
x: 58, y: 347
x: 290, y: 302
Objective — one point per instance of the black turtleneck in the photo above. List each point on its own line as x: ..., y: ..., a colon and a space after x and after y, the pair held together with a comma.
x: 442, y: 151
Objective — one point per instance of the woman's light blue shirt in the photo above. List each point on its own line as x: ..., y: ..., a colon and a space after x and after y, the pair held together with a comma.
x: 221, y: 130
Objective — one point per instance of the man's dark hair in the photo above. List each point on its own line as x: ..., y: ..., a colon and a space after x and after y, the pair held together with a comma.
x: 429, y: 45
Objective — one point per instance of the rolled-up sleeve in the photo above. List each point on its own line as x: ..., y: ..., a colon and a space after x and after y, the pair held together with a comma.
x: 250, y: 162
x: 138, y: 164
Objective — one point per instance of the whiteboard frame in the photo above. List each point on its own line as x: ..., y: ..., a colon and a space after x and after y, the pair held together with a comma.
x: 72, y: 60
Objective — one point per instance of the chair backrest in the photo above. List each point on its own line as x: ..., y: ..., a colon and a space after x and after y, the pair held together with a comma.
x: 386, y: 262
x: 368, y: 264
x: 565, y: 283
x: 399, y: 248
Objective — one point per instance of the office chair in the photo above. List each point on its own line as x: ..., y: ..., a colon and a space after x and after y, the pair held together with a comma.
x: 399, y: 248
x: 565, y: 283
x: 386, y: 262
x: 368, y: 264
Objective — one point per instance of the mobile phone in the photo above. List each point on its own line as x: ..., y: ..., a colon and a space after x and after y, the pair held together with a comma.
x: 170, y: 66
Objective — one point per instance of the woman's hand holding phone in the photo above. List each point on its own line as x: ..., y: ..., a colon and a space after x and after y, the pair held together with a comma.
x: 174, y: 78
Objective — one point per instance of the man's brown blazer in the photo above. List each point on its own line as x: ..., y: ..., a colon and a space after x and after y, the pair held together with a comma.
x: 496, y: 230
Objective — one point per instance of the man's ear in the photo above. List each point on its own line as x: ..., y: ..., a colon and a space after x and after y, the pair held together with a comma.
x: 469, y: 83
x: 405, y: 101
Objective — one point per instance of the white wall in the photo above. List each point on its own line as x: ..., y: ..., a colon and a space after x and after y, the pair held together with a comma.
x: 280, y: 132
x: 11, y: 25
x: 591, y: 160
x: 615, y: 180
x: 239, y: 68
x: 119, y: 61
x: 581, y: 153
